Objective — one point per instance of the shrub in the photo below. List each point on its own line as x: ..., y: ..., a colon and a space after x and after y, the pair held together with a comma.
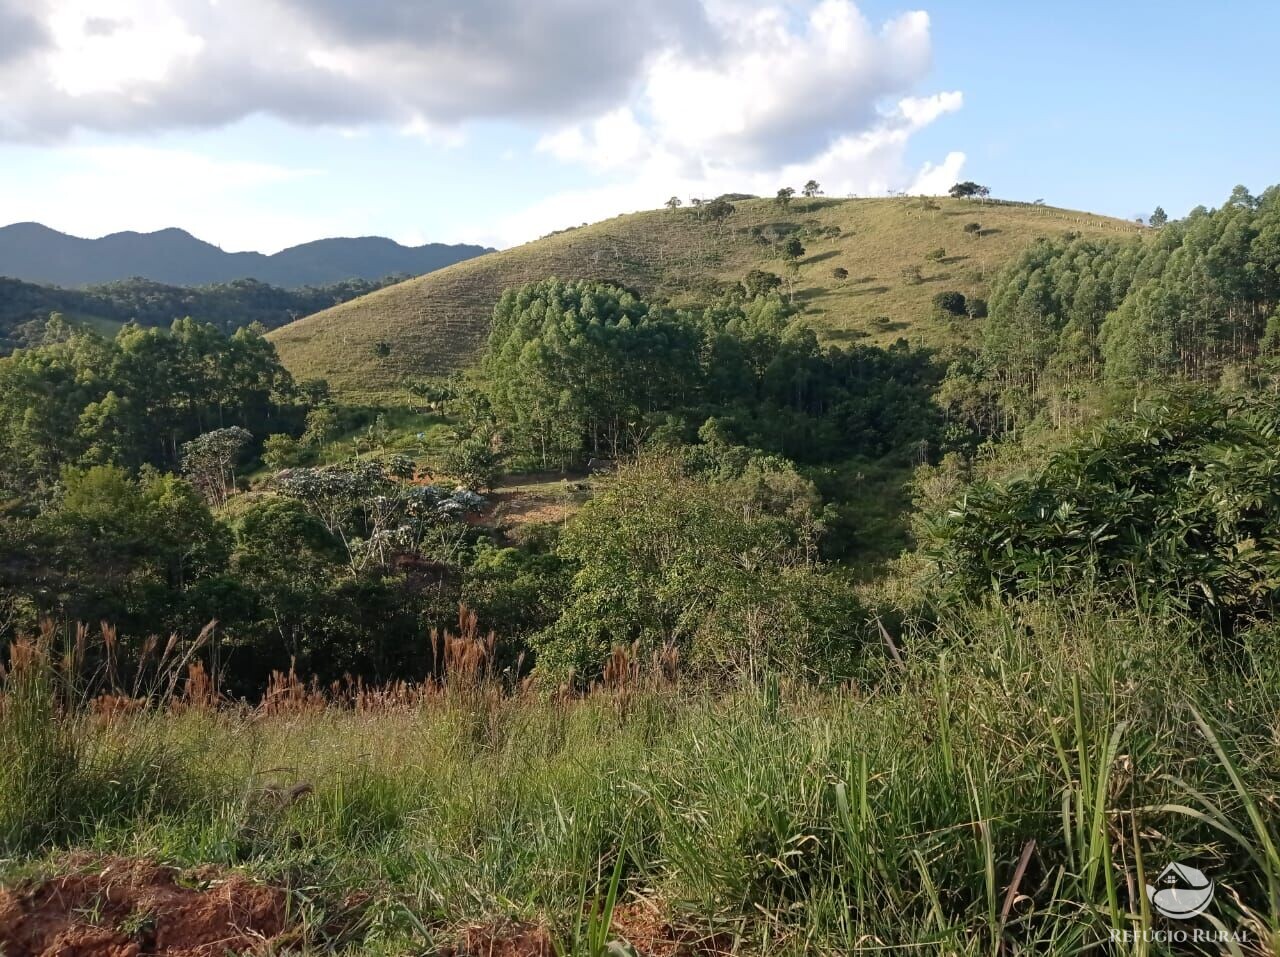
x: 281, y: 451
x: 950, y: 302
x: 1178, y: 505
x: 661, y: 560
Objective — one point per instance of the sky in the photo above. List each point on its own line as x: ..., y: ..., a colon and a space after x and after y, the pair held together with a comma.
x: 260, y: 124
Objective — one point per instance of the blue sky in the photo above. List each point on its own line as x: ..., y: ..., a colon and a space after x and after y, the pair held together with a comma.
x: 257, y: 124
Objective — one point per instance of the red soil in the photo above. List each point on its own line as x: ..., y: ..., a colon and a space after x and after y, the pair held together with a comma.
x: 120, y: 907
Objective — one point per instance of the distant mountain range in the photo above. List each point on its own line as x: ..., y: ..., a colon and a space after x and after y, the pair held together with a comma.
x: 36, y: 253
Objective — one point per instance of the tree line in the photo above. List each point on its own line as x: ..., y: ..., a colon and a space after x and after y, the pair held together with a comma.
x: 24, y: 306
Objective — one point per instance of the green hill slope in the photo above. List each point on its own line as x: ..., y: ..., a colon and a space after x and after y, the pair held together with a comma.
x: 434, y: 324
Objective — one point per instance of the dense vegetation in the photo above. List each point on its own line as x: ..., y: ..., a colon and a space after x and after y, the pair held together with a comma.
x: 575, y: 370
x: 25, y: 306
x: 1078, y: 320
x: 704, y: 687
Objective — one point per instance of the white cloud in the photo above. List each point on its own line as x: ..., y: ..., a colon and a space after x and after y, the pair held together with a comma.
x: 779, y: 103
x: 142, y: 65
x: 109, y: 188
x: 649, y: 97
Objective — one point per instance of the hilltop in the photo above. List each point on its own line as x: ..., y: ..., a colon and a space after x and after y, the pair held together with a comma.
x: 38, y: 254
x: 436, y: 323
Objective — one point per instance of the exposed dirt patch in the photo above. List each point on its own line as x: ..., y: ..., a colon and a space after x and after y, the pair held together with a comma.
x: 642, y: 925
x: 503, y: 939
x: 645, y: 928
x: 122, y: 907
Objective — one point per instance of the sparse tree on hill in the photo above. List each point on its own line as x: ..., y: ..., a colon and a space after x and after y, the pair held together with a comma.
x: 675, y: 202
x: 792, y: 249
x: 936, y: 255
x: 760, y: 282
x: 717, y: 211
x: 783, y: 198
x: 973, y: 229
x: 1158, y: 218
x: 812, y: 189
x: 840, y: 273
x: 968, y: 190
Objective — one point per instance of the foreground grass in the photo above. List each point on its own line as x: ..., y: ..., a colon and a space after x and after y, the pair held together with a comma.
x: 1007, y: 789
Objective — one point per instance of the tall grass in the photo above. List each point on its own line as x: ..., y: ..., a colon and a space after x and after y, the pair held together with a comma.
x: 1007, y: 788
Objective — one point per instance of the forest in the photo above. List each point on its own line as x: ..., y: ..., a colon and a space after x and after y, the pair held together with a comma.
x: 821, y: 643
x: 25, y: 306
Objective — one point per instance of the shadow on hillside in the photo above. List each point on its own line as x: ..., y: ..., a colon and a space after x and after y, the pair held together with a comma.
x: 952, y: 260
x: 870, y: 290
x: 847, y: 335
x: 820, y: 257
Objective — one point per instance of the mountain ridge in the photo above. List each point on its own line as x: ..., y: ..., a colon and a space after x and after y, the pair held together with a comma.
x: 34, y: 252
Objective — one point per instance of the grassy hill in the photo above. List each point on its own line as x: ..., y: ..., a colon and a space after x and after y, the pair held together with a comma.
x: 435, y: 324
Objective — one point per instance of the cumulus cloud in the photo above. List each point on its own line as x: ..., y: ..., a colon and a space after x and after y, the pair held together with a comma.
x: 128, y: 65
x: 870, y: 162
x: 20, y: 32
x: 781, y: 100
x: 651, y: 97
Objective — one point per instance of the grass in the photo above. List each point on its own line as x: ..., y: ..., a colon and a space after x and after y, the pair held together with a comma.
x: 370, y: 347
x: 1003, y: 790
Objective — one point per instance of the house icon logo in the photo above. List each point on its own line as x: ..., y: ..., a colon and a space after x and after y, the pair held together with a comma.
x: 1180, y: 892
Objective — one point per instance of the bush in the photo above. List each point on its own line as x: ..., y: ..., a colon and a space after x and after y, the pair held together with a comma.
x: 950, y: 302
x: 473, y: 462
x: 281, y: 451
x: 1177, y: 506
x: 719, y: 567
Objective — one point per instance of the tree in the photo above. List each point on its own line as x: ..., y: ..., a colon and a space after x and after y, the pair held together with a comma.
x: 812, y: 189
x: 721, y: 569
x: 674, y: 203
x: 968, y: 190
x: 760, y: 282
x: 322, y: 427
x: 936, y: 255
x: 1159, y: 217
x: 950, y: 302
x: 281, y: 451
x: 973, y: 229
x: 473, y: 462
x: 717, y: 211
x: 792, y: 249
x: 783, y: 198
x: 209, y: 461
x: 840, y: 273
x: 577, y: 369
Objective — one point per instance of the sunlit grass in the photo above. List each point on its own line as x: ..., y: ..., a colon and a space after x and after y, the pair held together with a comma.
x: 1008, y: 786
